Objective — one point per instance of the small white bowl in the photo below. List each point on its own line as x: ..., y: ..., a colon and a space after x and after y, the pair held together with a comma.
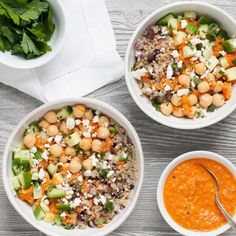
x: 202, y: 8
x: 26, y: 211
x: 19, y: 62
x: 161, y: 184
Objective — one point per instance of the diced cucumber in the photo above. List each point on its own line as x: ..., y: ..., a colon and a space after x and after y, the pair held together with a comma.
x: 73, y: 139
x: 25, y: 179
x: 37, y: 191
x: 63, y: 207
x: 44, y: 207
x: 38, y: 213
x: 56, y: 193
x: 179, y: 18
x: 229, y: 45
x: 33, y: 128
x: 202, y: 30
x: 179, y: 38
x: 191, y: 28
x: 43, y: 135
x: 165, y: 19
x: 58, y: 177
x: 49, y: 217
x: 64, y: 112
x: 38, y: 155
x: 203, y: 20
x: 190, y: 15
x: 16, y: 169
x: 224, y: 62
x: 231, y: 74
x: 189, y: 51
x: 22, y: 154
x: 25, y: 165
x: 212, y: 63
x: 57, y: 220
x: 15, y: 182
x: 173, y: 24
x: 208, y: 52
x: 35, y: 176
x: 52, y: 169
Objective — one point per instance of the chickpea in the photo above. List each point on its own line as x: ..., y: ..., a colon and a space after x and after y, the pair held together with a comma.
x: 52, y: 130
x: 79, y: 111
x: 63, y: 159
x: 70, y: 151
x: 51, y: 117
x: 103, y: 121
x: 205, y: 100
x: 166, y: 108
x: 218, y: 100
x: 29, y: 140
x: 103, y: 133
x: 193, y: 112
x: 87, y: 164
x: 192, y: 99
x: 176, y: 100
x: 63, y: 128
x: 88, y: 115
x: 178, y: 112
x: 203, y: 87
x: 96, y: 145
x: 217, y: 74
x: 210, y: 77
x: 75, y: 166
x: 184, y: 80
x: 218, y: 87
x: 85, y: 144
x: 43, y: 124
x: 56, y: 150
x: 200, y: 68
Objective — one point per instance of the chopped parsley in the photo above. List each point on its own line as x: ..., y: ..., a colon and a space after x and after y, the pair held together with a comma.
x: 211, y: 108
x: 104, y: 173
x: 109, y: 207
x: 38, y: 155
x: 156, y: 105
x: 102, y: 155
x: 101, y: 220
x: 196, y: 80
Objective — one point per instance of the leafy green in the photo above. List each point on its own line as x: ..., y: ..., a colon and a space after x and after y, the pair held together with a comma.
x: 38, y: 155
x: 102, y: 154
x: 101, y: 220
x: 109, y: 207
x: 104, y: 173
x: 196, y: 80
x: 26, y: 26
x: 211, y: 108
x: 156, y: 105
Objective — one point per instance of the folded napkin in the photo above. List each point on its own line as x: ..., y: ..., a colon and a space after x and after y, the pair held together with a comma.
x: 87, y: 61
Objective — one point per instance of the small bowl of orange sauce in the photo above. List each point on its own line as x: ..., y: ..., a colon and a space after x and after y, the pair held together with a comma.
x: 186, y: 193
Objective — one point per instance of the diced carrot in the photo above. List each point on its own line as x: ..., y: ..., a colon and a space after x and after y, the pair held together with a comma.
x: 145, y: 78
x: 85, y: 187
x: 227, y: 88
x: 27, y: 195
x: 40, y: 142
x: 43, y: 164
x: 53, y: 206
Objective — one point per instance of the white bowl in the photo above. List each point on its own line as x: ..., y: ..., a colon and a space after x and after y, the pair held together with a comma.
x: 26, y: 211
x: 227, y: 23
x: 19, y: 62
x: 162, y: 180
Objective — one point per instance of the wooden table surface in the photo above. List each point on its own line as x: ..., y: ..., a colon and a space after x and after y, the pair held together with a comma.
x: 160, y: 144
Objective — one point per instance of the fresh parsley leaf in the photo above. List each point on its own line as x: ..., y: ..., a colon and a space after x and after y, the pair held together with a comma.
x: 104, y: 173
x: 7, y: 32
x: 28, y: 45
x: 102, y: 154
x: 101, y: 220
x: 196, y: 80
x: 4, y: 44
x: 9, y: 10
x: 109, y: 207
x: 156, y: 105
x: 211, y: 108
x: 38, y: 155
x: 122, y: 158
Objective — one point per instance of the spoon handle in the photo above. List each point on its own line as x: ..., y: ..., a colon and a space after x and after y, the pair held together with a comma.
x: 226, y: 214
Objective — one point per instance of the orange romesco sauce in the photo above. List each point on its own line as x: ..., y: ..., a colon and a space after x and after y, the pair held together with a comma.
x: 189, y: 194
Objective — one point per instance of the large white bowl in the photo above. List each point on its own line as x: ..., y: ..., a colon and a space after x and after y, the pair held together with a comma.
x: 26, y: 211
x: 220, y: 16
x: 161, y: 184
x: 19, y: 62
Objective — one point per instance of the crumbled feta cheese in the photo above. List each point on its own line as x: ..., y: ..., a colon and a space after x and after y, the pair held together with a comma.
x: 137, y: 74
x: 87, y: 173
x: 182, y: 92
x: 69, y: 175
x: 102, y: 199
x: 95, y: 119
x: 33, y: 149
x: 35, y: 175
x: 223, y: 53
x: 169, y: 72
x: 58, y: 139
x: 86, y: 134
x: 167, y: 88
x: 113, y: 180
x: 35, y: 162
x: 96, y: 201
x: 77, y: 122
x: 175, y: 53
x: 94, y: 160
x: 86, y: 122
x: 41, y: 173
x: 59, y: 186
x: 110, y: 156
x: 110, y: 173
x: 47, y: 145
x: 75, y: 203
x: 162, y: 50
x: 50, y: 139
x: 80, y: 178
x: 205, y: 74
x: 180, y: 64
x: 193, y: 84
x: 198, y: 54
x: 183, y: 24
x: 65, y: 200
x: 70, y: 123
x: 46, y: 201
x: 164, y: 30
x: 63, y: 214
x: 195, y: 41
x: 45, y: 155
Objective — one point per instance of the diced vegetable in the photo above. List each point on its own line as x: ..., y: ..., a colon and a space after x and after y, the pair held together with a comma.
x: 44, y: 207
x: 208, y: 52
x: 101, y: 220
x: 43, y: 135
x: 35, y: 176
x: 73, y: 139
x: 113, y: 130
x: 64, y: 112
x: 189, y: 51
x: 49, y: 217
x: 165, y: 19
x: 22, y: 154
x: 224, y: 62
x: 32, y: 128
x: 191, y: 28
x: 190, y: 15
x: 38, y: 155
x: 37, y: 191
x: 57, y: 220
x: 58, y: 177
x: 38, y: 213
x: 15, y: 182
x: 25, y: 179
x: 179, y: 38
x: 231, y: 74
x: 229, y: 45
x: 63, y: 207
x: 173, y: 23
x: 56, y: 193
x: 212, y: 63
x: 52, y: 169
x: 16, y: 169
x: 202, y: 30
x: 205, y: 20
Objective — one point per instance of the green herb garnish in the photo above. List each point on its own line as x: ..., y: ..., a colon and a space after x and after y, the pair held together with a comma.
x: 38, y: 155
x: 104, y: 173
x: 122, y: 158
x: 109, y: 207
x: 113, y: 130
x: 211, y: 108
x: 102, y: 154
x: 101, y: 220
x: 196, y: 80
x: 156, y: 105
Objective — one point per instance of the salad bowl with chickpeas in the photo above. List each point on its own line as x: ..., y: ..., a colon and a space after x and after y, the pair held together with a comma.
x: 74, y: 165
x: 181, y: 65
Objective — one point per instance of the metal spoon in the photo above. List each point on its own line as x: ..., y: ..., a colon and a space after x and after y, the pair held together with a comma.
x: 217, y: 200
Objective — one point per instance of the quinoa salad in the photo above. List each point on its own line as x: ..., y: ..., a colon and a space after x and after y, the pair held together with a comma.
x: 76, y: 167
x: 185, y: 65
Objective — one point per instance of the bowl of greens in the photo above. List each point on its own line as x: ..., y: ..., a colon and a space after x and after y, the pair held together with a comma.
x: 31, y: 32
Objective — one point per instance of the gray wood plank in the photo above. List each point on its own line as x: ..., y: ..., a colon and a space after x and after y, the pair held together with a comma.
x: 160, y: 144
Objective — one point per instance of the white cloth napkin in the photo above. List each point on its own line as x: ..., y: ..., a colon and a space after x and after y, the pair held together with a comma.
x: 87, y: 61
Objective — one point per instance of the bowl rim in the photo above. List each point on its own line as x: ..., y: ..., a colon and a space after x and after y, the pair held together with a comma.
x: 47, y: 57
x: 119, y: 116
x: 135, y: 96
x: 160, y: 201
